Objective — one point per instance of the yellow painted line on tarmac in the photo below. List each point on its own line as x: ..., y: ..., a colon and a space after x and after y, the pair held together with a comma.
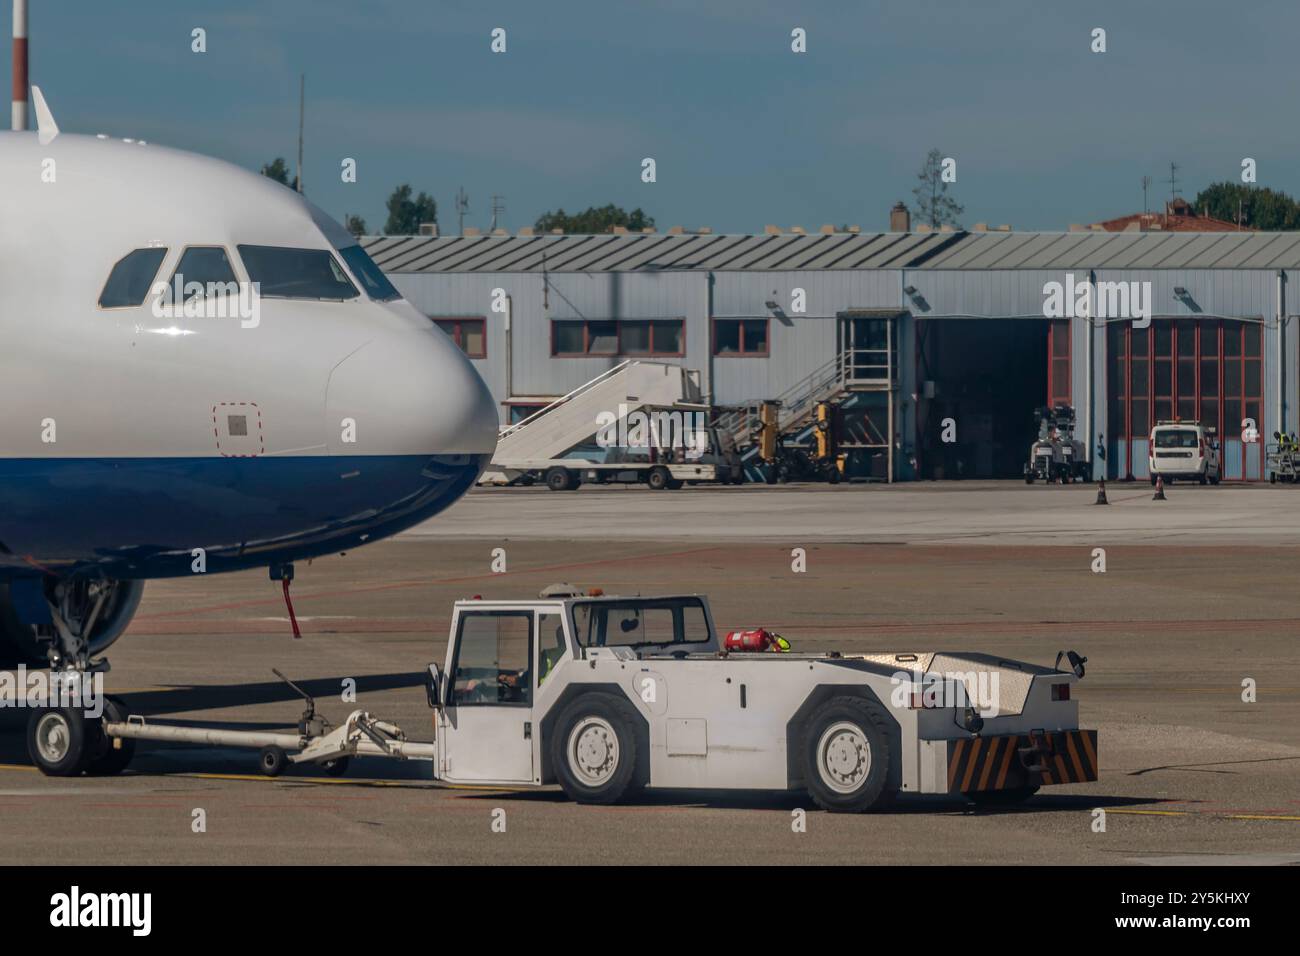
x: 262, y: 778
x: 1287, y: 818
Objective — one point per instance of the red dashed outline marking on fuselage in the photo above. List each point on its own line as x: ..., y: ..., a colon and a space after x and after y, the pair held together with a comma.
x: 261, y: 439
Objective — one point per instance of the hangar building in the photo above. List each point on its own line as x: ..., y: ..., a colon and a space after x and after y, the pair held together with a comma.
x: 910, y: 328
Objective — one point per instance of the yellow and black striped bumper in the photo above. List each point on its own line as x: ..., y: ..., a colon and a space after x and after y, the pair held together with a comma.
x: 1019, y: 760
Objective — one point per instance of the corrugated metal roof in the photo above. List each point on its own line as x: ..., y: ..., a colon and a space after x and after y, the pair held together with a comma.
x: 838, y: 251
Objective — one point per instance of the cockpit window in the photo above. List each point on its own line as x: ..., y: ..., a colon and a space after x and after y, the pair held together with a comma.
x: 203, y: 271
x: 371, y: 276
x: 131, y: 278
x: 297, y: 273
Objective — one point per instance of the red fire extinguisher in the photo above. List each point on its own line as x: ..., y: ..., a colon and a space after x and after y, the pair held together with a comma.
x: 759, y: 639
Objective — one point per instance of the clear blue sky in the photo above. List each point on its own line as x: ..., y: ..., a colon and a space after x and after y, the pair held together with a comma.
x: 744, y: 132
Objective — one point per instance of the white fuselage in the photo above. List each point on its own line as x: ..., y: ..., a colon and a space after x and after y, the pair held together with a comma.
x: 133, y: 435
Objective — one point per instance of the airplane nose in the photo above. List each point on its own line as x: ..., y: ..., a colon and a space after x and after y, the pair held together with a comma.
x: 409, y: 393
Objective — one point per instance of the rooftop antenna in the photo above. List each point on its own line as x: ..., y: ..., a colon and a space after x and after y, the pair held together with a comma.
x: 1173, y: 182
x: 19, y: 110
x: 1146, y: 185
x: 462, y: 207
x: 302, y: 113
x: 498, y: 206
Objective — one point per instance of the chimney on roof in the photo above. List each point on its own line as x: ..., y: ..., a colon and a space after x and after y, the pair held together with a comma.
x: 428, y: 228
x: 900, y: 220
x: 980, y: 227
x: 470, y: 231
x: 525, y: 230
x: 675, y: 230
x: 620, y: 230
x: 827, y: 230
x: 923, y: 227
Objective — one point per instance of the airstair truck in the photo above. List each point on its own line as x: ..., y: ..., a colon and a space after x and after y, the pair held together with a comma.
x: 607, y: 695
x: 561, y: 444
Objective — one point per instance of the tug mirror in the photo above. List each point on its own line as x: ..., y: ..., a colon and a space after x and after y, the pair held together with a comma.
x: 432, y: 686
x: 1076, y: 662
x: 972, y: 721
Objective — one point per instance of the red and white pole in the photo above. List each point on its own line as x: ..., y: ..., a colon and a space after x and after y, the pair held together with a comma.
x: 20, y: 65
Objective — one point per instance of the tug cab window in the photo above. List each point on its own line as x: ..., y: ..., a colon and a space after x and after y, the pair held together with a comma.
x: 209, y: 268
x: 285, y: 273
x: 493, y: 659
x: 370, y: 276
x: 132, y: 275
x: 641, y: 623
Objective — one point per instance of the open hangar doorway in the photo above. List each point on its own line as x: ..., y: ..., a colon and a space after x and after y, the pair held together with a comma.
x: 988, y: 376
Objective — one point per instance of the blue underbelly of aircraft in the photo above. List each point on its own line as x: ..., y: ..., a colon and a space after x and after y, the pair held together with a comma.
x: 145, y: 517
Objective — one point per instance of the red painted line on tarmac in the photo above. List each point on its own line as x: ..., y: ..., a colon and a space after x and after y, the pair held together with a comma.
x: 409, y: 625
x: 423, y: 582
x: 1163, y: 624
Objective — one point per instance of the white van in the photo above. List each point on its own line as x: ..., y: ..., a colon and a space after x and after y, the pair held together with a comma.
x: 1186, y: 450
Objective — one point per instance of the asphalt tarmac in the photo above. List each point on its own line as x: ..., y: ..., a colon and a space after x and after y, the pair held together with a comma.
x: 1198, y: 596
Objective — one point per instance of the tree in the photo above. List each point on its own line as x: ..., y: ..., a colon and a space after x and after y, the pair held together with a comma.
x: 1260, y: 208
x: 933, y: 204
x: 278, y: 170
x: 355, y: 225
x: 593, y: 220
x: 405, y: 214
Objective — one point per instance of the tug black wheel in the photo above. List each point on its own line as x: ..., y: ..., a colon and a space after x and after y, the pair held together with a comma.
x: 847, y: 756
x: 594, y: 749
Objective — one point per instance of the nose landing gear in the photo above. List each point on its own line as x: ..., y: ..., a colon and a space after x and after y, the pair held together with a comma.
x: 65, y: 737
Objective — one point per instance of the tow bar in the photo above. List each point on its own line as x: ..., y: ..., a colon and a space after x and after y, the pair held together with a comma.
x: 315, y: 742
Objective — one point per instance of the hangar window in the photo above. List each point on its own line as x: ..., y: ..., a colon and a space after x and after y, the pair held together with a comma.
x: 651, y: 337
x: 740, y: 337
x: 577, y: 337
x: 204, y: 268
x: 131, y: 278
x: 470, y: 333
x: 285, y: 273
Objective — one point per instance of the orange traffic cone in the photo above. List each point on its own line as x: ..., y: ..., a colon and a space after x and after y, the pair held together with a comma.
x: 1160, y: 489
x: 1101, y: 492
